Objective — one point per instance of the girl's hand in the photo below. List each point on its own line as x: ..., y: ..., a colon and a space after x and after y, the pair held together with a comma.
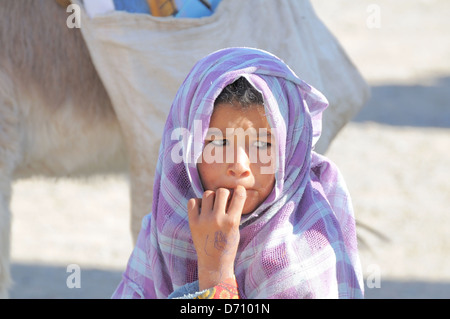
x: 215, y: 232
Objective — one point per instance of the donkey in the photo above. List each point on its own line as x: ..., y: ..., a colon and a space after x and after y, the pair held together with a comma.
x: 56, y: 118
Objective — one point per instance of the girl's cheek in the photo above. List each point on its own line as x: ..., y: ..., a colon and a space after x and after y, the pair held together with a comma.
x: 266, y: 163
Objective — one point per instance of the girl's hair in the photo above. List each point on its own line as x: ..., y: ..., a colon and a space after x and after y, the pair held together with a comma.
x: 240, y: 91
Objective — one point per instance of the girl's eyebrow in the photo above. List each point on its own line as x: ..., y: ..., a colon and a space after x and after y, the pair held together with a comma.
x: 264, y: 133
x: 214, y: 131
x: 259, y: 133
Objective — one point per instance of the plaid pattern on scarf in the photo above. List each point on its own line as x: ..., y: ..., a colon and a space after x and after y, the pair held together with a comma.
x: 300, y: 242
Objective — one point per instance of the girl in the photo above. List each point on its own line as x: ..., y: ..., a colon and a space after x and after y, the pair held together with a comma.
x: 242, y: 205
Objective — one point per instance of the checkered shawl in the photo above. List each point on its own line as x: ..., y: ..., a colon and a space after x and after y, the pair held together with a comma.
x: 300, y: 242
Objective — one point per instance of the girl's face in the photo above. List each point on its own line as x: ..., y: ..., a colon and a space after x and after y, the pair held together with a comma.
x: 239, y: 149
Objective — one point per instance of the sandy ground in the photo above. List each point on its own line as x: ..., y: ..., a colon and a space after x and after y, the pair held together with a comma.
x: 394, y: 155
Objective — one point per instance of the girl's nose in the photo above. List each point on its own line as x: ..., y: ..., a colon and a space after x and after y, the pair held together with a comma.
x: 240, y: 167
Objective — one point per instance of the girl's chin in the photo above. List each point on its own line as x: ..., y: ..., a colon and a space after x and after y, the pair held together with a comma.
x: 247, y: 211
x: 251, y: 203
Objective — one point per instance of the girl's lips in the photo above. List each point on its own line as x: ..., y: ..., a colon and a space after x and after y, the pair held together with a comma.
x: 247, y: 190
x: 230, y: 197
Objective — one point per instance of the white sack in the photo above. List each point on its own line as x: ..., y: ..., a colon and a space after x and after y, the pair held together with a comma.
x: 142, y: 59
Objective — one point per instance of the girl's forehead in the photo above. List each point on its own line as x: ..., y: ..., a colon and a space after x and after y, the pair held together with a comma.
x: 236, y: 115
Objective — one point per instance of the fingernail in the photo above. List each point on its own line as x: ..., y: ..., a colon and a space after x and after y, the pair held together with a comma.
x: 191, y: 204
x: 240, y: 191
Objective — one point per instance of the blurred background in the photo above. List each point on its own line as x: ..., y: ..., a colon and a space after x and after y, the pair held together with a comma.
x: 394, y: 155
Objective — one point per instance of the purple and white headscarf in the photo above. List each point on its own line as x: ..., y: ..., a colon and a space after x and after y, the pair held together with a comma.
x: 300, y: 242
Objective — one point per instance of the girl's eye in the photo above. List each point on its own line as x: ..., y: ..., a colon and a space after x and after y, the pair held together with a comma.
x: 219, y: 142
x: 261, y: 144
x: 224, y: 142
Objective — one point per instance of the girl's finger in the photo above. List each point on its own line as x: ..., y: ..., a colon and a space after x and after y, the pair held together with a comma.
x: 221, y: 200
x: 193, y: 207
x: 237, y: 201
x: 207, y: 202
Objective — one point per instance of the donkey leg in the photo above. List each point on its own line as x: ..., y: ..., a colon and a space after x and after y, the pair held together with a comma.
x: 5, y: 235
x: 9, y: 154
